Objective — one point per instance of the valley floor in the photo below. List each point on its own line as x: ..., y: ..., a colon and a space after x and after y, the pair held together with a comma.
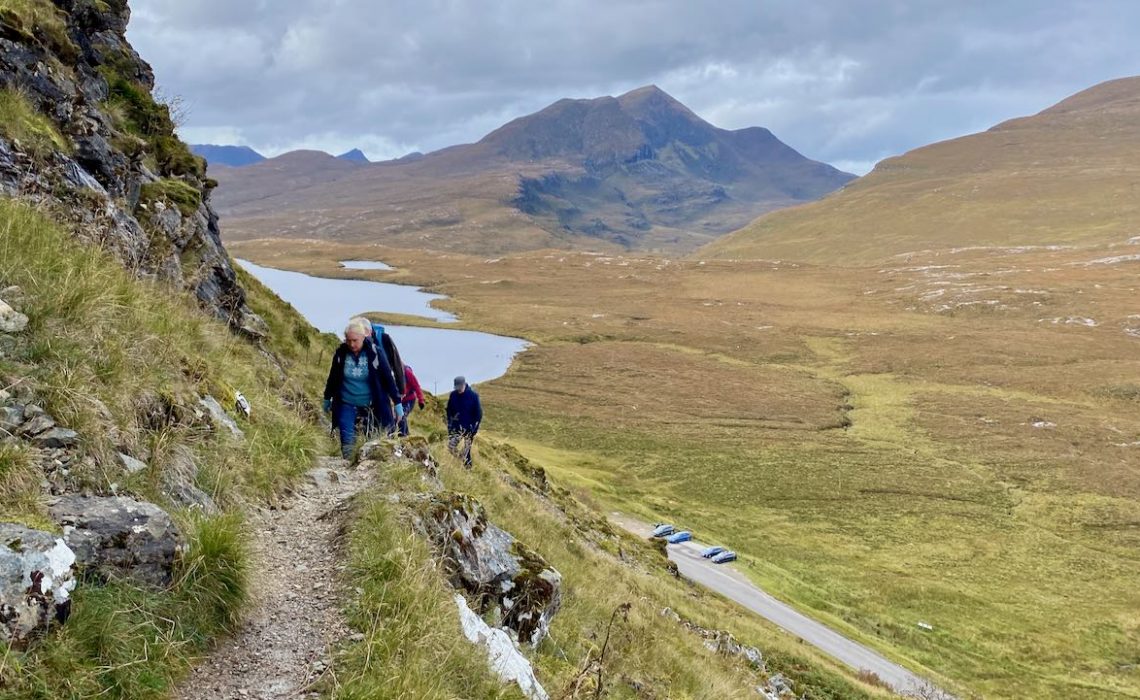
x: 950, y: 438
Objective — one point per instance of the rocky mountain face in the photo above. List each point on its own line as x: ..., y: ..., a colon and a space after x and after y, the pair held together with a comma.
x: 231, y: 156
x: 106, y: 159
x: 636, y: 171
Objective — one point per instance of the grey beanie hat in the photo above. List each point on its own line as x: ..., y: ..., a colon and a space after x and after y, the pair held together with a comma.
x: 460, y: 381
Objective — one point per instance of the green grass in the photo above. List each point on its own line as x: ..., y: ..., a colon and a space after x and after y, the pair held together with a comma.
x: 412, y: 647
x: 405, y: 598
x: 39, y: 21
x: 177, y: 192
x: 132, y: 644
x: 19, y: 121
x: 123, y: 362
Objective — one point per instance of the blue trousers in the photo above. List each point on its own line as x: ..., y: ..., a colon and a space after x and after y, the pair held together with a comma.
x: 408, y: 406
x: 346, y: 416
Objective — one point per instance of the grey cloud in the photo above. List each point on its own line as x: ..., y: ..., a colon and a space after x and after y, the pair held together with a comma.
x: 842, y: 81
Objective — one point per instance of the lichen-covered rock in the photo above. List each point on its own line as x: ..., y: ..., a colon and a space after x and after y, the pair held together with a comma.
x: 35, y: 582
x: 118, y: 536
x: 496, y: 570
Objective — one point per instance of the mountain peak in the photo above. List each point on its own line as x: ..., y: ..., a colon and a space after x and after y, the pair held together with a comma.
x: 355, y: 156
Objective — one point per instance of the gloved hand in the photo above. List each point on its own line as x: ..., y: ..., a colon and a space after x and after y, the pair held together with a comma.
x: 399, y: 411
x: 421, y: 405
x: 328, y: 405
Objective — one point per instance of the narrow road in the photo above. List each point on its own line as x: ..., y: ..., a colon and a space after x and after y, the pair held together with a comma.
x: 730, y: 583
x: 295, y: 619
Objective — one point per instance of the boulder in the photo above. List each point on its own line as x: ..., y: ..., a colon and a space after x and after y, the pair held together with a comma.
x: 11, y: 321
x: 118, y: 536
x: 35, y: 582
x: 503, y: 654
x: 500, y: 573
x: 37, y: 425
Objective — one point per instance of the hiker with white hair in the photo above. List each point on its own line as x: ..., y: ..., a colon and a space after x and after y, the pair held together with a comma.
x: 360, y: 383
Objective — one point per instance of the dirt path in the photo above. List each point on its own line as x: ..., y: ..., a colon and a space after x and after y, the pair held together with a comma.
x: 295, y: 613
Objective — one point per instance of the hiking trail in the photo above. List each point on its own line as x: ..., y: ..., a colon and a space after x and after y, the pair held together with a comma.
x: 295, y: 617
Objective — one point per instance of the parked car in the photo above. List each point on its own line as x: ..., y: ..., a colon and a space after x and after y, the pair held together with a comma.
x: 712, y: 552
x: 679, y: 537
x: 663, y: 530
x: 724, y: 557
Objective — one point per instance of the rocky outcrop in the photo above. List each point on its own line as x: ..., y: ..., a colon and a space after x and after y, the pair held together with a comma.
x: 504, y: 578
x: 115, y: 171
x: 35, y: 582
x: 115, y: 536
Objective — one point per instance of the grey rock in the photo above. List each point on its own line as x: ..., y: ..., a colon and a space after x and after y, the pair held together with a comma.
x: 11, y: 321
x: 220, y: 418
x: 179, y: 482
x: 494, y: 568
x: 11, y: 418
x: 57, y: 438
x: 35, y: 582
x: 132, y: 465
x: 33, y: 410
x: 118, y: 536
x: 40, y: 424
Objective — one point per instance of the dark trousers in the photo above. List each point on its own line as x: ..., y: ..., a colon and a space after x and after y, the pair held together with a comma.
x: 460, y: 443
x: 408, y: 406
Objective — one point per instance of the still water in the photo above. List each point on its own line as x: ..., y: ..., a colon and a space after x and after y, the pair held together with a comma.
x: 436, y: 355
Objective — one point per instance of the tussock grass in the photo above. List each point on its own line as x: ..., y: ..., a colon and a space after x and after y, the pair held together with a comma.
x: 413, y: 646
x: 123, y: 362
x: 128, y: 643
x: 39, y: 21
x: 19, y: 121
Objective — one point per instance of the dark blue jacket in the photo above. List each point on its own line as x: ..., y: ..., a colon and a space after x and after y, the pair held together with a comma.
x: 379, y: 376
x: 464, y: 411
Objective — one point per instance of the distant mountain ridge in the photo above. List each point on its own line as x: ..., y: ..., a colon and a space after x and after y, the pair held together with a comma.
x: 233, y: 156
x: 241, y: 156
x: 1065, y: 176
x: 638, y: 171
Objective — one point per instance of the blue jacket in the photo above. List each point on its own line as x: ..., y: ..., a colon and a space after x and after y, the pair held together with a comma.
x: 464, y: 411
x: 379, y: 377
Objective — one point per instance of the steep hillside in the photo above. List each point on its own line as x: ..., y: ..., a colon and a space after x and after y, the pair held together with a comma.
x: 636, y: 171
x: 1066, y: 175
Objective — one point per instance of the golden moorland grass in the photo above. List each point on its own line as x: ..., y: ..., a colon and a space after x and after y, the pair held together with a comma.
x: 1067, y: 175
x: 949, y: 438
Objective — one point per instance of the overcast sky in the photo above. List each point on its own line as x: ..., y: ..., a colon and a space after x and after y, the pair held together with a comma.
x: 844, y: 81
